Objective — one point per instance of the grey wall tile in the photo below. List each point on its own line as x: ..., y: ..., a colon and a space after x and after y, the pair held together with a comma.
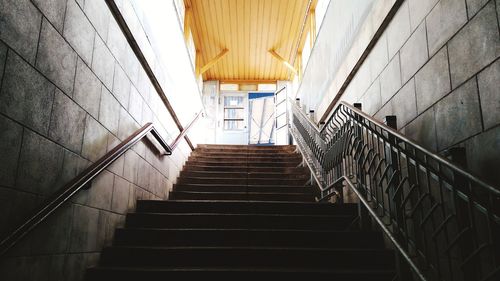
x: 483, y: 155
x: 121, y: 86
x: 117, y: 166
x: 432, y: 81
x: 75, y: 265
x: 15, y: 206
x: 79, y: 32
x: 127, y: 125
x: 98, y: 13
x: 73, y: 165
x: 443, y: 22
x: 53, y: 10
x: 56, y: 269
x: 52, y: 236
x: 16, y: 268
x: 372, y: 101
x: 87, y: 89
x: 132, y: 200
x: 84, y: 229
x: 378, y: 57
x: 143, y: 173
x: 475, y: 46
x: 144, y: 85
x: 458, y: 116
x: 498, y: 11
x: 414, y: 53
x: 135, y: 105
x: 131, y: 166
x: 419, y: 9
x: 103, y: 63
x: 473, y: 6
x: 489, y: 91
x: 390, y: 79
x: 109, y: 112
x: 26, y: 96
x: 423, y: 130
x: 20, y: 26
x: 404, y: 104
x: 116, y: 42
x: 67, y: 122
x: 3, y: 57
x: 147, y: 114
x: 121, y: 192
x: 40, y: 164
x: 10, y: 145
x: 56, y: 59
x: 381, y: 113
x: 95, y: 140
x: 398, y: 30
x: 131, y: 65
x: 100, y: 194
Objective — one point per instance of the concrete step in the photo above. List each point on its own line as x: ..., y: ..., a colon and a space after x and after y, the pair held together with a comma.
x: 248, y: 256
x: 244, y: 196
x: 242, y: 207
x: 241, y: 163
x: 225, y: 220
x: 126, y: 273
x: 247, y: 237
x: 242, y: 181
x: 244, y: 153
x: 242, y: 188
x: 251, y: 175
x: 246, y: 169
x: 250, y: 159
x: 245, y: 147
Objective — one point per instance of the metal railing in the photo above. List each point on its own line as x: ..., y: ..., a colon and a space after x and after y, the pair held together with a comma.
x: 444, y: 221
x: 84, y: 179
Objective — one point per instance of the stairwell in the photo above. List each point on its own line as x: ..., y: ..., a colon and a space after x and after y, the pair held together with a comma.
x: 243, y: 212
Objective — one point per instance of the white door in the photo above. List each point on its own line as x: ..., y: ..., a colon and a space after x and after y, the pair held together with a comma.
x: 232, y: 125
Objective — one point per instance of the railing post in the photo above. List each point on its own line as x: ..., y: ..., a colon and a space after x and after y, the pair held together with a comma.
x: 402, y: 267
x: 311, y: 115
x: 364, y: 215
x: 458, y: 155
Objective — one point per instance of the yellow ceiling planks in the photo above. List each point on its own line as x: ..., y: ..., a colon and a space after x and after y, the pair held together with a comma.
x: 248, y: 29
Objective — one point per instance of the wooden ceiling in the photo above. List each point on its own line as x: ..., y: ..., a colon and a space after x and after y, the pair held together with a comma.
x: 233, y: 38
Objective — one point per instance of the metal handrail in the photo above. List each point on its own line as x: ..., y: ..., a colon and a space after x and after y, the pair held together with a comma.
x: 83, y: 180
x: 421, y: 195
x: 382, y: 225
x: 395, y: 133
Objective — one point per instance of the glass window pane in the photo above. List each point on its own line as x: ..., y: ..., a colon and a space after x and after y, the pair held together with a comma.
x: 233, y: 101
x: 234, y: 125
x: 234, y: 113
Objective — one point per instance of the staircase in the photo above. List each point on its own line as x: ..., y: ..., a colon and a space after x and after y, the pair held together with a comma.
x: 243, y: 212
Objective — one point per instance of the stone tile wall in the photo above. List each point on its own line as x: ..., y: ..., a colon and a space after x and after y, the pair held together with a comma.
x: 71, y: 89
x: 436, y: 67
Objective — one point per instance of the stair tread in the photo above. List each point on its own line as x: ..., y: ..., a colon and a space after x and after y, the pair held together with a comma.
x: 237, y: 214
x: 242, y: 248
x: 198, y: 232
x: 247, y: 229
x: 241, y: 192
x: 248, y: 268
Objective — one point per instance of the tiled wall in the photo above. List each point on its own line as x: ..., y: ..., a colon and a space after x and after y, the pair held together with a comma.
x: 436, y: 67
x: 71, y: 89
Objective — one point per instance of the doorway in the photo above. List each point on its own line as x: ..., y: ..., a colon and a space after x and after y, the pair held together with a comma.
x: 233, y: 118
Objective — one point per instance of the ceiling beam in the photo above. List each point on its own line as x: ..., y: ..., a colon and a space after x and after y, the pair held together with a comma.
x: 248, y: 81
x: 187, y: 23
x: 213, y: 61
x: 286, y: 63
